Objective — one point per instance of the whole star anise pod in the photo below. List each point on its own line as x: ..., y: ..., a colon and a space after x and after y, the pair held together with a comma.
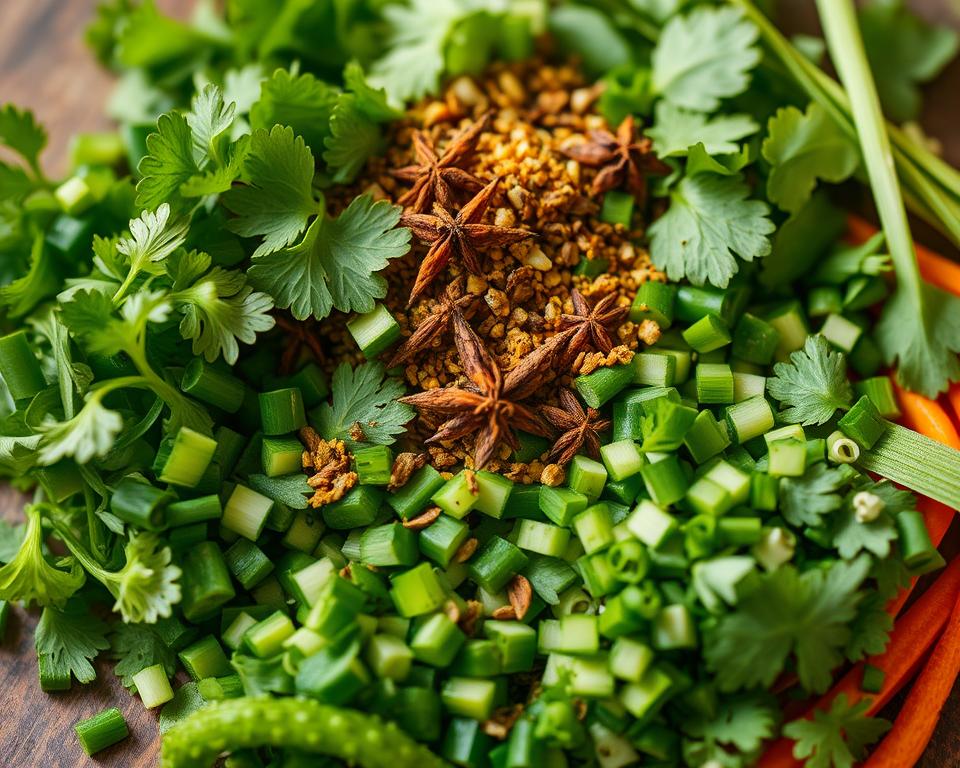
x: 451, y: 302
x: 590, y: 328
x: 624, y: 160
x: 484, y: 407
x: 461, y: 236
x: 579, y: 428
x: 438, y: 178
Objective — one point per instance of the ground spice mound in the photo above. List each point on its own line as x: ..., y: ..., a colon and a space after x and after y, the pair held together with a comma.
x: 532, y: 114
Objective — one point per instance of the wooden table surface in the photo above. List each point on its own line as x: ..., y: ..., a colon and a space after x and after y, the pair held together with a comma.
x: 44, y: 65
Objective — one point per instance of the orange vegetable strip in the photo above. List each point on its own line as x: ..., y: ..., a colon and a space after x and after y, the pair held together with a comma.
x: 927, y: 417
x: 953, y: 397
x: 935, y: 269
x: 912, y: 636
x: 911, y: 732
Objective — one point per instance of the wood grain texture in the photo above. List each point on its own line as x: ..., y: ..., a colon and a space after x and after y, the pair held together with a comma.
x: 44, y: 66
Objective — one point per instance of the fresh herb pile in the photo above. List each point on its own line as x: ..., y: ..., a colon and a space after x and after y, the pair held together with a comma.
x: 240, y: 510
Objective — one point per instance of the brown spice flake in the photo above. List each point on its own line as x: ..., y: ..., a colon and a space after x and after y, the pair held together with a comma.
x: 469, y: 618
x: 404, y: 465
x: 520, y: 595
x: 504, y: 613
x: 423, y: 520
x: 501, y: 722
x: 466, y: 550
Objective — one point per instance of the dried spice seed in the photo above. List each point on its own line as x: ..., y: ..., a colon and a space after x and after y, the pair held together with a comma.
x: 466, y: 550
x: 501, y: 722
x: 404, y: 465
x: 452, y: 302
x: 504, y: 613
x: 424, y: 520
x: 469, y: 618
x: 520, y: 595
x: 591, y: 326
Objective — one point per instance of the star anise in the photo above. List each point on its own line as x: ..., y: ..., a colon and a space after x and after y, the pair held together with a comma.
x: 462, y: 236
x: 451, y: 302
x: 438, y: 179
x: 590, y: 328
x: 624, y: 160
x: 297, y: 335
x: 485, y: 406
x: 580, y: 428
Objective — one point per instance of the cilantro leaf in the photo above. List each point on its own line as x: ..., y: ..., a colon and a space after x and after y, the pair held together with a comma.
x: 353, y: 139
x: 814, y: 383
x: 364, y: 397
x: 70, y: 639
x: 805, y: 615
x: 186, y: 700
x: 903, y: 51
x: 335, y: 264
x: 870, y: 629
x: 922, y: 337
x: 837, y: 738
x: 802, y: 239
x: 278, y: 200
x: 219, y: 311
x: 744, y: 720
x: 209, y: 119
x: 136, y: 647
x: 705, y: 56
x: 14, y: 182
x: 701, y: 161
x: 805, y: 500
x: 153, y: 237
x: 20, y: 132
x: 299, y: 101
x: 291, y: 490
x: 414, y: 60
x: 851, y: 536
x: 709, y: 220
x: 801, y: 148
x: 169, y: 161
x: 677, y: 129
x: 41, y: 280
x: 369, y: 100
x: 29, y: 577
x: 90, y: 433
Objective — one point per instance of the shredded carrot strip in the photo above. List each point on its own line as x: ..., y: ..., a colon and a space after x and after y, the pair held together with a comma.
x: 927, y: 417
x: 910, y: 640
x: 911, y: 732
x: 935, y: 269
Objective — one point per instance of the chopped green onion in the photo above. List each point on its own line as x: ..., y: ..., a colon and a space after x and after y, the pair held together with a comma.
x: 101, y: 731
x: 916, y: 548
x: 630, y: 659
x: 282, y: 411
x: 622, y: 459
x: 232, y: 636
x: 602, y: 385
x: 413, y: 497
x: 141, y: 504
x: 863, y: 423
x: 755, y: 340
x: 52, y: 677
x: 714, y: 383
x: 310, y: 582
x: 355, y: 510
x: 787, y: 449
x: 863, y: 291
x: 493, y: 494
x: 304, y: 531
x: 206, y: 582
x: 212, y: 385
x: 674, y: 629
x: 706, y: 437
x: 543, y: 538
x: 791, y: 325
x: 709, y: 333
x: 651, y: 524
x: 879, y: 390
x: 693, y: 302
x: 374, y: 331
x: 654, y: 370
x: 389, y: 657
x: 205, y: 658
x: 749, y: 419
x: 840, y: 332
x: 747, y: 385
x: 592, y: 267
x: 469, y: 697
x: 153, y: 685
x: 457, y: 497
x: 437, y: 640
x: 644, y: 698
x: 246, y: 512
x: 654, y: 301
x: 561, y: 505
x: 495, y: 563
x: 708, y: 498
x: 586, y: 476
x: 665, y: 480
x: 734, y: 480
x: 841, y: 449
x: 248, y: 563
x: 266, y: 638
x: 281, y: 456
x: 388, y: 545
x: 192, y: 511
x: 594, y: 528
x: 824, y: 300
x: 417, y: 591
x: 374, y: 464
x: 441, y: 539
